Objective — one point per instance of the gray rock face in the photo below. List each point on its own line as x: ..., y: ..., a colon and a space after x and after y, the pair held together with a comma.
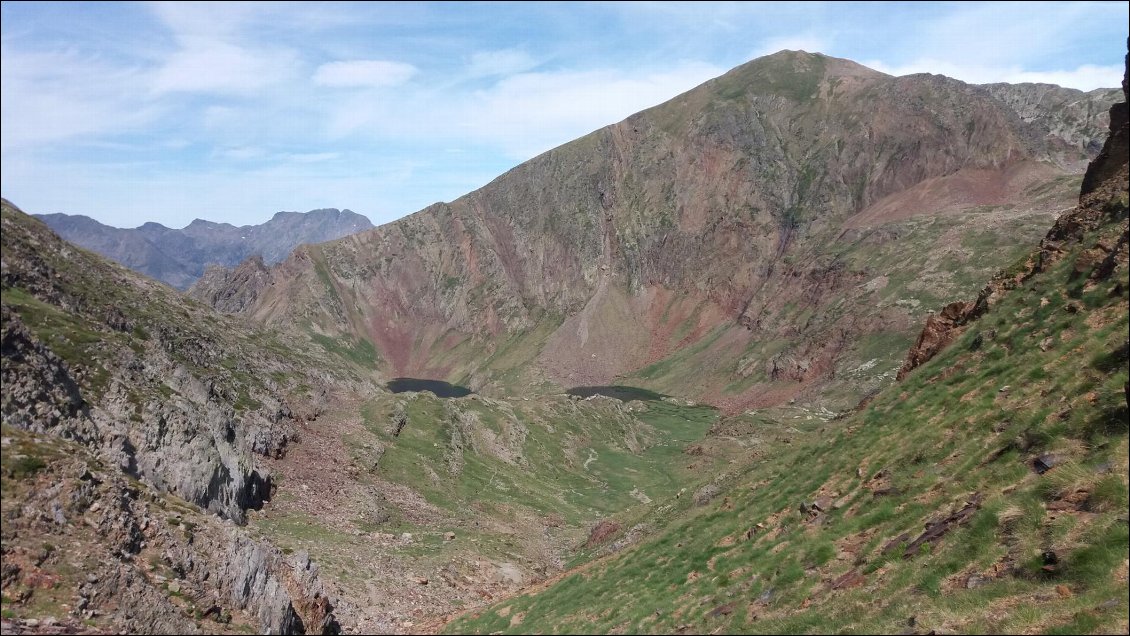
x: 706, y: 494
x: 181, y: 256
x: 232, y: 290
x: 153, y: 383
x: 150, y: 550
x: 39, y: 392
x: 1072, y: 118
x: 191, y: 447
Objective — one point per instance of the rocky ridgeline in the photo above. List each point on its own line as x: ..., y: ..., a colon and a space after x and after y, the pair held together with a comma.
x: 1102, y: 201
x: 156, y: 395
x: 180, y: 256
x: 234, y: 290
x: 1075, y: 119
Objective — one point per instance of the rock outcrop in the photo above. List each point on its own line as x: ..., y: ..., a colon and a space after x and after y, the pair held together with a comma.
x: 1102, y: 201
x: 232, y: 291
x: 941, y: 329
x: 149, y: 563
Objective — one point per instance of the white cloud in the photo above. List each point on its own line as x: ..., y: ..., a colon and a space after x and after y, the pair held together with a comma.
x: 1086, y: 77
x: 311, y: 157
x: 207, y: 65
x: 54, y: 96
x: 214, y: 55
x: 206, y: 19
x: 1002, y: 34
x: 242, y: 153
x: 530, y: 113
x: 521, y: 115
x: 504, y: 62
x: 363, y: 74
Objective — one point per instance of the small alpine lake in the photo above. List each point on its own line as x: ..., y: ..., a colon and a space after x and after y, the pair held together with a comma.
x: 438, y: 387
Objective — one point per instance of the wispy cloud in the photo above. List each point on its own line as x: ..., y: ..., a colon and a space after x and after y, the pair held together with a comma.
x: 530, y: 113
x: 211, y: 66
x: 504, y: 62
x: 1086, y: 77
x: 213, y: 52
x: 523, y: 114
x: 49, y: 97
x: 363, y: 74
x: 311, y: 157
x: 159, y: 109
x: 242, y: 153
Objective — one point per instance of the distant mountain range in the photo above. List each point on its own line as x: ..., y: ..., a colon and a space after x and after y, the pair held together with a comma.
x: 179, y: 256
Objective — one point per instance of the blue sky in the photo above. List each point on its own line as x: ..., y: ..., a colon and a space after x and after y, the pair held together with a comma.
x: 231, y: 112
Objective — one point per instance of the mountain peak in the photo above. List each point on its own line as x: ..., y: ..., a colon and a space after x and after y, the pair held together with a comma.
x: 797, y: 75
x: 205, y: 223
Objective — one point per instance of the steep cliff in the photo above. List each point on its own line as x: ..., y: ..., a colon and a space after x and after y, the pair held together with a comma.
x: 1102, y: 203
x: 174, y: 394
x: 85, y: 546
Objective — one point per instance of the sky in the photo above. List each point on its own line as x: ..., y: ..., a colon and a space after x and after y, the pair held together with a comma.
x: 167, y: 112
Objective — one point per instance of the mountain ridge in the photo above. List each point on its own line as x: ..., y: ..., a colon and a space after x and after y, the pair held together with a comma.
x: 179, y: 257
x: 676, y: 235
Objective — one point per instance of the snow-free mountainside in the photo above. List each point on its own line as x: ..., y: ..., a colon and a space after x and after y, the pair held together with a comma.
x: 793, y: 352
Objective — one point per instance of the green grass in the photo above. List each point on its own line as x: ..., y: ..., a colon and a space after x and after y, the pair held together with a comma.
x: 575, y: 458
x: 358, y: 351
x: 945, y: 433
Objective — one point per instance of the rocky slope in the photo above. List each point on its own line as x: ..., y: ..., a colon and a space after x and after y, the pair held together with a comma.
x: 773, y: 234
x: 135, y: 421
x: 1075, y: 119
x: 181, y: 256
x: 1099, y: 198
x: 161, y: 400
x: 87, y: 549
x: 986, y: 492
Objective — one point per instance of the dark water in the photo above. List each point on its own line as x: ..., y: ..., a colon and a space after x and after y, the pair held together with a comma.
x: 622, y: 393
x: 439, y: 387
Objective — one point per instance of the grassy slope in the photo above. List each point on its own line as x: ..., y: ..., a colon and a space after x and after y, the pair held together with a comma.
x: 950, y: 434
x: 520, y: 483
x: 575, y: 460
